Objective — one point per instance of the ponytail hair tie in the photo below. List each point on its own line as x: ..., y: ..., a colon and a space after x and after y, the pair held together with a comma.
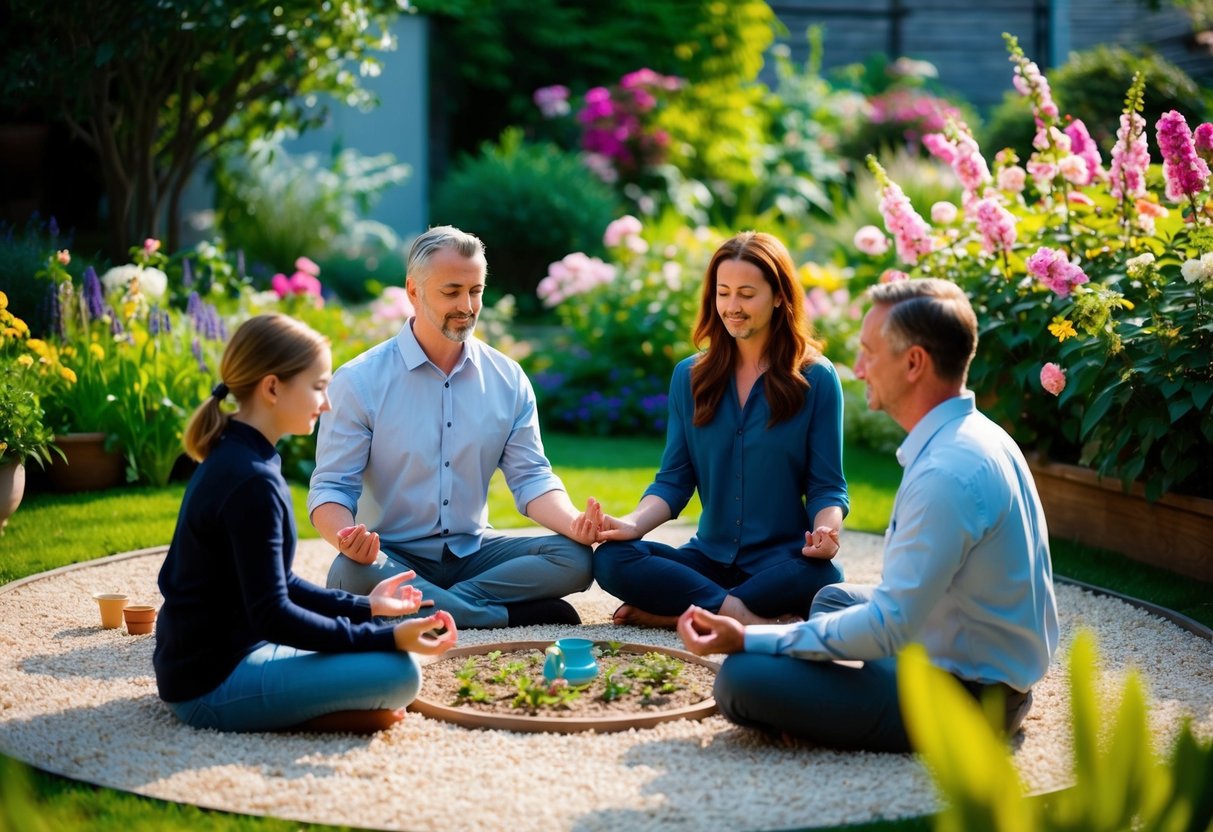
x: 220, y: 391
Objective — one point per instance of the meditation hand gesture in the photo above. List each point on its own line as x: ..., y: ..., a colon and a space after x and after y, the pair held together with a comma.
x: 417, y: 635
x: 393, y: 596
x: 358, y: 543
x: 586, y: 526
x: 703, y: 632
x: 822, y: 543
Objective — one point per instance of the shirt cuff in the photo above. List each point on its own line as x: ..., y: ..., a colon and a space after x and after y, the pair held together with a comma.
x: 764, y: 638
x: 535, y: 490
x: 317, y: 498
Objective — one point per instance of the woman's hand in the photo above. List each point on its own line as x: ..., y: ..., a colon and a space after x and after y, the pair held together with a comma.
x: 358, y: 543
x: 416, y: 635
x: 821, y: 543
x: 393, y: 596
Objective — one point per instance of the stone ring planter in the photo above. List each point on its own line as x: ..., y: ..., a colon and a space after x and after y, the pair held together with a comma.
x: 472, y: 718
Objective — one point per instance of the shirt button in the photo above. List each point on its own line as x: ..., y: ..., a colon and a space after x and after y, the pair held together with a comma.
x: 446, y: 531
x: 738, y: 522
x: 448, y: 384
x: 446, y: 465
x: 444, y: 502
x: 448, y: 424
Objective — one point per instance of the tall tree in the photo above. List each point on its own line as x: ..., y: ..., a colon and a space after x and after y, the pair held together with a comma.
x: 155, y: 87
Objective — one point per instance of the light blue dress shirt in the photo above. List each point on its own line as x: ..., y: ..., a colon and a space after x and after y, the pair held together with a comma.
x: 967, y: 571
x: 410, y: 450
x: 761, y: 486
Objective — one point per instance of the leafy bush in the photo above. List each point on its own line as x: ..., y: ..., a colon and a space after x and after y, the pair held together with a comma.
x: 530, y: 204
x: 22, y: 256
x: 1090, y: 87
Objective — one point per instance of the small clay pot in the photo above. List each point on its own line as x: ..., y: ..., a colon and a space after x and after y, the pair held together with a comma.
x: 111, y: 604
x: 140, y: 618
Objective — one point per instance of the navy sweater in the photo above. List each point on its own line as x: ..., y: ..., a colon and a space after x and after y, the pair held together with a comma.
x: 227, y: 581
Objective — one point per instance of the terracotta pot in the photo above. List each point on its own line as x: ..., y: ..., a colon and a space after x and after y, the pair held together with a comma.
x: 88, y: 465
x: 1175, y: 532
x: 112, y: 604
x: 140, y: 618
x: 12, y: 489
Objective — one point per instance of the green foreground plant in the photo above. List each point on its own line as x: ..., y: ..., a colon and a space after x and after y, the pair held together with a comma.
x: 1121, y: 783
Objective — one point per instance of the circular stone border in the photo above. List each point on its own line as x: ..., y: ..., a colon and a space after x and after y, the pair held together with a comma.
x: 472, y: 718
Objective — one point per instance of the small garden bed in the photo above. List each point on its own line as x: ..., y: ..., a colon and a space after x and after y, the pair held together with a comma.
x: 501, y: 685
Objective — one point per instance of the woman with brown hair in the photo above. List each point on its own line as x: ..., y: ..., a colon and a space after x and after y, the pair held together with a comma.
x: 755, y: 424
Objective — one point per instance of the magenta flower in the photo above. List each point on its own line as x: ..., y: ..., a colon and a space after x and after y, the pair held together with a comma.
x: 1203, y: 139
x: 1053, y: 378
x: 1130, y: 158
x: 940, y: 147
x: 1081, y: 144
x: 1052, y: 268
x: 996, y: 224
x: 1186, y: 173
x: 307, y: 266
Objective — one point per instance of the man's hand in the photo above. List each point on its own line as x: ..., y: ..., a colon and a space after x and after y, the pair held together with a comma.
x: 585, y: 526
x: 821, y: 543
x: 703, y: 632
x: 358, y: 543
x: 393, y: 596
x: 416, y: 635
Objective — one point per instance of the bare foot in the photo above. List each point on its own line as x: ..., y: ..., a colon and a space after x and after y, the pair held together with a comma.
x: 627, y: 614
x: 735, y: 608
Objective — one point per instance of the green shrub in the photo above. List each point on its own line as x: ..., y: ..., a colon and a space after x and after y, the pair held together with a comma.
x: 531, y: 204
x: 1091, y: 87
x: 22, y: 256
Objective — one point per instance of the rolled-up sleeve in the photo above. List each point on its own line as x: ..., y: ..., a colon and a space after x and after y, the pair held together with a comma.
x: 343, y: 446
x: 528, y: 474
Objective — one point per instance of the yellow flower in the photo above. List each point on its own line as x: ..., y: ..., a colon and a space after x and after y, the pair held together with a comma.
x: 1062, y: 329
x: 25, y: 361
x: 96, y: 351
x: 3, y: 302
x: 39, y: 346
x: 68, y: 374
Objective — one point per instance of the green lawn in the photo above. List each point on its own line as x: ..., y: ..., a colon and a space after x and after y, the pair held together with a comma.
x: 51, y: 530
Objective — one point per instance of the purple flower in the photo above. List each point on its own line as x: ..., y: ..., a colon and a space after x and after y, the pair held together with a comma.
x: 196, y: 349
x: 52, y: 228
x: 94, y: 298
x: 116, y: 328
x: 1185, y: 172
x: 187, y: 273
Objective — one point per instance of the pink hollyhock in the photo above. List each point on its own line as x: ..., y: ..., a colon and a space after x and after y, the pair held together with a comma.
x: 619, y: 230
x: 1052, y: 268
x: 1012, y: 178
x: 307, y: 266
x: 1130, y: 158
x: 1203, y: 139
x: 1185, y: 172
x: 944, y: 213
x: 1074, y: 170
x: 1053, y: 378
x: 1082, y: 145
x: 938, y: 145
x: 996, y: 224
x: 910, y: 231
x: 871, y: 241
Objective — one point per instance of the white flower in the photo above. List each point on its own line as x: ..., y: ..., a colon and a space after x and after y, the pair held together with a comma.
x: 153, y: 283
x: 1198, y: 271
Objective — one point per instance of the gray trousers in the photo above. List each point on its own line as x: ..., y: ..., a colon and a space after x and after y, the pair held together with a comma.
x: 476, y: 588
x: 828, y: 703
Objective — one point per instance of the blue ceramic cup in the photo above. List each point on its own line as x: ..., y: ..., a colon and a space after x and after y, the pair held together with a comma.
x: 571, y: 659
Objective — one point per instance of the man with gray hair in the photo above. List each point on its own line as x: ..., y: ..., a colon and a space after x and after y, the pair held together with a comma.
x: 418, y: 426
x: 966, y: 571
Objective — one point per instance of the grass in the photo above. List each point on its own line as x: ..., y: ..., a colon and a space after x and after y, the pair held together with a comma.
x: 52, y: 530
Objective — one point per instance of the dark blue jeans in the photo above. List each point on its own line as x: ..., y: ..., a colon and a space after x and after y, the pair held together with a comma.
x: 665, y: 581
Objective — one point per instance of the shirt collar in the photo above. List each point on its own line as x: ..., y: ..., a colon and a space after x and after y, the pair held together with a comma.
x: 414, y: 356
x: 929, y: 425
x: 250, y: 436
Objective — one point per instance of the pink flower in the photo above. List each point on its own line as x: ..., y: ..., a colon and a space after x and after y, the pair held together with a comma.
x: 1185, y: 172
x: 392, y: 306
x: 573, y: 275
x: 63, y: 256
x: 552, y: 101
x: 1053, y: 378
x: 1203, y: 139
x: 281, y: 285
x: 1130, y: 158
x: 996, y: 224
x: 1052, y: 268
x: 619, y: 230
x: 1074, y: 170
x: 940, y: 147
x: 910, y: 231
x: 303, y: 264
x: 944, y: 213
x: 871, y: 241
x: 1081, y: 144
x: 1012, y: 178
x: 151, y: 245
x: 893, y: 275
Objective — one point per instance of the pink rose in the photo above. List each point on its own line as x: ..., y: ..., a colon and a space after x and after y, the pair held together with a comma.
x: 151, y: 245
x: 871, y: 241
x: 1053, y: 378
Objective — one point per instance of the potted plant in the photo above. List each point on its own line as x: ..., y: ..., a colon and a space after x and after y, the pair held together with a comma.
x: 1094, y: 289
x: 23, y: 433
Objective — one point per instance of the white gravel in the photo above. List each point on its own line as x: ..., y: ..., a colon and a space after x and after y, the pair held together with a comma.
x: 81, y: 701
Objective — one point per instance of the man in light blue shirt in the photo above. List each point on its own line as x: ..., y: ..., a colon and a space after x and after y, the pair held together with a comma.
x: 966, y: 573
x: 419, y: 425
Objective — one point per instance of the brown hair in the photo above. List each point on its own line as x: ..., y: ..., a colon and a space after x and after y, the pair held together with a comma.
x: 934, y: 314
x: 267, y: 345
x: 790, y: 349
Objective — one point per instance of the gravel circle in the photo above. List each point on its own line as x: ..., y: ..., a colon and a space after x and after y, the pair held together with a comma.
x: 81, y: 701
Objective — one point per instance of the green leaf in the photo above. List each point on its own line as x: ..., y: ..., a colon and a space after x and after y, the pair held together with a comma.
x: 1178, y: 407
x: 1098, y: 408
x: 1202, y: 392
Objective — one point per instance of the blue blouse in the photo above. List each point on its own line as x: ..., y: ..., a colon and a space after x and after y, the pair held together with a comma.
x: 761, y: 487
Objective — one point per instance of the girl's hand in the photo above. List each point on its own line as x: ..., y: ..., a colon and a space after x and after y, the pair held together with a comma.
x: 416, y: 635
x: 394, y: 597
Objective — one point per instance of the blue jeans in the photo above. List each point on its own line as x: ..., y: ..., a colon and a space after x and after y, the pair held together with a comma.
x: 665, y: 581
x: 476, y: 588
x: 275, y: 687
